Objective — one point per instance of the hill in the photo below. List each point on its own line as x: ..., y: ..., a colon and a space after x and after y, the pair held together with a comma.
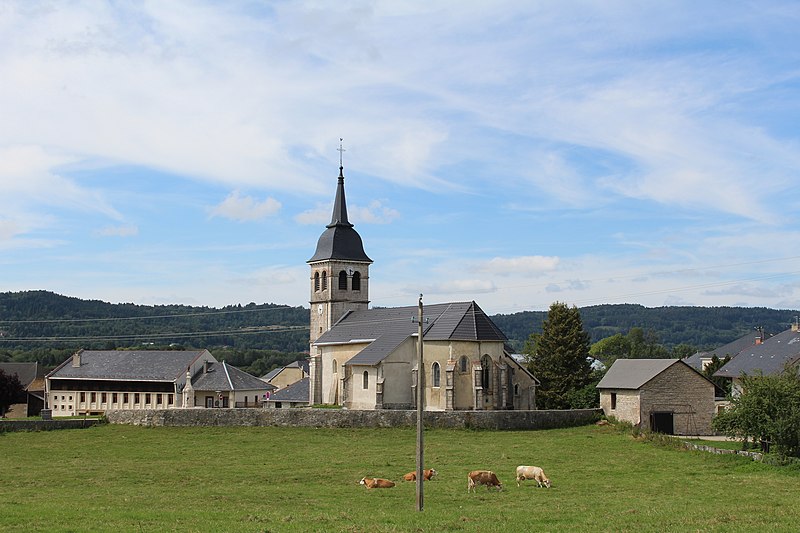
x: 701, y: 327
x: 44, y: 326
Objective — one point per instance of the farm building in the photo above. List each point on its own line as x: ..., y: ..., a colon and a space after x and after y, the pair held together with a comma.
x: 31, y: 377
x: 364, y: 358
x: 664, y: 395
x: 771, y: 356
x: 92, y: 382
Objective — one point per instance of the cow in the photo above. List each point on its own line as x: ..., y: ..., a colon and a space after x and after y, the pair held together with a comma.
x: 482, y: 477
x: 532, y: 472
x: 427, y: 475
x: 376, y: 483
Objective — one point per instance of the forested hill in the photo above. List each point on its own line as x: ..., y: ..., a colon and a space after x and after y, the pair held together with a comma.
x: 37, y: 321
x: 701, y: 327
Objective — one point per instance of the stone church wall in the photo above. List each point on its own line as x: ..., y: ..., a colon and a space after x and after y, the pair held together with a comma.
x: 341, y: 418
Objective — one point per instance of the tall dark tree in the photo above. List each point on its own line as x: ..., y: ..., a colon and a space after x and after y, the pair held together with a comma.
x: 724, y: 384
x: 11, y: 391
x: 558, y: 357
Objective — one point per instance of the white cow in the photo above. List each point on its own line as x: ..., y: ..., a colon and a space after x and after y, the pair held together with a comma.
x: 532, y: 472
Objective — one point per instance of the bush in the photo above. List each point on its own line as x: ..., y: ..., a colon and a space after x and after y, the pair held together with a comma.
x: 766, y: 411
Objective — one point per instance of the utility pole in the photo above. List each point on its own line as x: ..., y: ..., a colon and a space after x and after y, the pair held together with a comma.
x: 420, y: 408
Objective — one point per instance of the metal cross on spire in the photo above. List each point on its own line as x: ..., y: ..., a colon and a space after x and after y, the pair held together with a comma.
x: 341, y: 151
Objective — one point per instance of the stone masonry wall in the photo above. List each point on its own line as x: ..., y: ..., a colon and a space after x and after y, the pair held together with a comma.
x: 341, y: 418
x: 686, y: 393
x: 48, y: 425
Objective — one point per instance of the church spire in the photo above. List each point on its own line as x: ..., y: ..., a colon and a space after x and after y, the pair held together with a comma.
x: 339, y: 216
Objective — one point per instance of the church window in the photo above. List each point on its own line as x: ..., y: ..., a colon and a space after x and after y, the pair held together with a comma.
x: 516, y: 389
x: 436, y: 371
x: 365, y: 382
x: 342, y: 280
x: 486, y: 372
x: 335, y: 368
x: 463, y: 364
x: 356, y: 281
x: 316, y: 281
x: 324, y: 281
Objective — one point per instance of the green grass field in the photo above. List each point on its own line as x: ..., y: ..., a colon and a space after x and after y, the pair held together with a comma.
x: 122, y: 478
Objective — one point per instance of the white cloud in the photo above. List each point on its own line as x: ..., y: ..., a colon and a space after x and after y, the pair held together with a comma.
x: 9, y: 229
x: 374, y: 213
x: 246, y: 208
x: 127, y: 230
x: 530, y: 264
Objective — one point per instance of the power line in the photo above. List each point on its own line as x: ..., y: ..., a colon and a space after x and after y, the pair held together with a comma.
x: 148, y: 317
x: 140, y: 336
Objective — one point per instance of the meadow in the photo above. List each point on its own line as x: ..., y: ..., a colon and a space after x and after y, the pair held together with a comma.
x: 125, y: 478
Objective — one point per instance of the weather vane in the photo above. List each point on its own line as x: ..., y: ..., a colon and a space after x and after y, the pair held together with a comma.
x: 341, y: 151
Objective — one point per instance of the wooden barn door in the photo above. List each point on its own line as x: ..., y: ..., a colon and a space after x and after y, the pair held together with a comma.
x: 662, y: 422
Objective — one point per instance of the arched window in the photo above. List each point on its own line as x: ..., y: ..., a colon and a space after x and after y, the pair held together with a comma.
x: 356, y: 281
x: 335, y: 369
x: 436, y: 373
x: 463, y: 364
x: 486, y: 372
x: 316, y: 281
x: 516, y: 389
x: 342, y: 280
x: 324, y: 281
x: 365, y: 383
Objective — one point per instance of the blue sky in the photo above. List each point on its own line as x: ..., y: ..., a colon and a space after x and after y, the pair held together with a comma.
x: 512, y: 153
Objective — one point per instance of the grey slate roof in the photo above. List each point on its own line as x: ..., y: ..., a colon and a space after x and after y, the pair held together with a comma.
x: 224, y: 377
x: 385, y: 329
x: 145, y: 365
x: 633, y: 373
x: 296, y: 392
x: 732, y: 349
x: 300, y: 363
x: 340, y: 240
x: 26, y: 372
x: 770, y: 357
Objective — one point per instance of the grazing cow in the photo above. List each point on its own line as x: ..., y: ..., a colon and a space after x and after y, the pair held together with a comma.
x: 532, y: 472
x: 482, y: 477
x: 376, y: 483
x: 427, y: 475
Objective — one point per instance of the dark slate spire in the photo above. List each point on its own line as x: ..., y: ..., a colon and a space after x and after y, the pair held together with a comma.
x: 340, y: 240
x: 339, y: 216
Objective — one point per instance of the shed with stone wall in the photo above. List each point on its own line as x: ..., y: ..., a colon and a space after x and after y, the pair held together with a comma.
x: 664, y: 395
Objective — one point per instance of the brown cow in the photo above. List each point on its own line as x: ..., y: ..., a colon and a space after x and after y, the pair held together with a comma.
x: 482, y: 477
x: 427, y: 475
x: 376, y: 483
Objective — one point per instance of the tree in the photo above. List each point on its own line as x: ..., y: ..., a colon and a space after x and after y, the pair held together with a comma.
x: 611, y: 348
x: 11, y: 391
x: 558, y: 357
x: 767, y: 410
x: 716, y: 363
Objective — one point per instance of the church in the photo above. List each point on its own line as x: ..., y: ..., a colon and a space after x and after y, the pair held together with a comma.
x: 362, y: 358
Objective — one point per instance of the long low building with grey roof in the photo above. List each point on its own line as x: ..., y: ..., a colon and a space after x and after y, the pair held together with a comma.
x: 92, y: 382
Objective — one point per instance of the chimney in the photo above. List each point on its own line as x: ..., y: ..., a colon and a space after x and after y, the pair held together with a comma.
x: 759, y: 340
x: 76, y: 359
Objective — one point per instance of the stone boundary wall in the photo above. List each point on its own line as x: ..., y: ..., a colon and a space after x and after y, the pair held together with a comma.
x: 755, y: 456
x: 48, y: 425
x: 341, y: 418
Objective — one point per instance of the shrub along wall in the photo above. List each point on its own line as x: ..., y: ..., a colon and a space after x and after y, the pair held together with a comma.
x: 48, y: 425
x: 342, y: 418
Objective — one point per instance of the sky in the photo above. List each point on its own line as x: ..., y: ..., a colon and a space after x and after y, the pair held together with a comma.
x: 512, y: 153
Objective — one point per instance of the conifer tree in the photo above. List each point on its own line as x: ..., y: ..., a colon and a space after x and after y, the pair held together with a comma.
x: 558, y: 357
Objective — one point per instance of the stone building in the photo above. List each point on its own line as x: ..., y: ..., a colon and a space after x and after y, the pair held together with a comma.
x: 664, y: 395
x: 364, y: 358
x: 92, y: 382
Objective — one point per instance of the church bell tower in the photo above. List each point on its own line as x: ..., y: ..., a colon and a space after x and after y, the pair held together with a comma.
x: 339, y: 279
